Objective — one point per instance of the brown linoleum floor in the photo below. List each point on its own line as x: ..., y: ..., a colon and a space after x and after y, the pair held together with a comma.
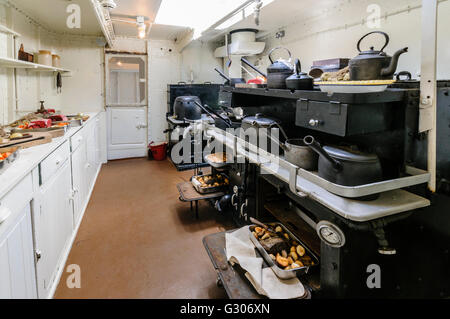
x: 137, y: 240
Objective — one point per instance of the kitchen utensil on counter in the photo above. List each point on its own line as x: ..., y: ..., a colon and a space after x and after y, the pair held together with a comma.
x: 245, y: 61
x: 25, y: 141
x: 260, y: 224
x: 344, y: 166
x: 300, y: 154
x: 261, y: 137
x: 354, y: 86
x: 299, y: 80
x: 279, y: 70
x: 220, y: 121
x: 13, y: 154
x: 186, y: 108
x: 229, y: 81
x: 373, y: 64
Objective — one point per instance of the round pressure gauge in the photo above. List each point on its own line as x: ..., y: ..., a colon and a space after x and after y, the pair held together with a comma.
x: 331, y: 234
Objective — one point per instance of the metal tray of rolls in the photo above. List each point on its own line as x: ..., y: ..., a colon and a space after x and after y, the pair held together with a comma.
x: 280, y: 272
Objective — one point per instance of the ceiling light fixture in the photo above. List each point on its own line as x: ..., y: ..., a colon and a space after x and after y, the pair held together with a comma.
x: 140, y: 21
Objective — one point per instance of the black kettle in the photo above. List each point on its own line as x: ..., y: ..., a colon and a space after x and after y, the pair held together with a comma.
x: 279, y: 71
x: 299, y: 80
x: 373, y: 64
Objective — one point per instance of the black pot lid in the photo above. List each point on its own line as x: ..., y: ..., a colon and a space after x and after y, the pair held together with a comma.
x: 347, y: 154
x: 260, y: 120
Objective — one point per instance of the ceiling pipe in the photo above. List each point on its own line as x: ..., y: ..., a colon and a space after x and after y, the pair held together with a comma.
x: 105, y: 22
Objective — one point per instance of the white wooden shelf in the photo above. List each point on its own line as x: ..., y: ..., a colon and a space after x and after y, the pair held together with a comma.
x: 6, y: 30
x: 18, y: 64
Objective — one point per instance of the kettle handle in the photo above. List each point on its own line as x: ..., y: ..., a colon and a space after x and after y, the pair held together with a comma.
x: 277, y: 48
x: 386, y: 36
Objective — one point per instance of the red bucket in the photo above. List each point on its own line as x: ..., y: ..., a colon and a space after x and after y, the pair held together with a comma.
x: 159, y: 150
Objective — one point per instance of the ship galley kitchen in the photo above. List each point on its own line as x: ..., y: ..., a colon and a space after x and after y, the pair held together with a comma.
x: 224, y: 149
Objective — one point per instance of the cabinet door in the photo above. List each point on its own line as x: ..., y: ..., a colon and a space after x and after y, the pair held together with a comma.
x: 17, y: 272
x: 79, y: 182
x: 91, y: 165
x: 53, y: 226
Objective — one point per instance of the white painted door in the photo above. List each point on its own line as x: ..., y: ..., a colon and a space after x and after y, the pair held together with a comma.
x: 126, y: 101
x: 17, y: 271
x: 53, y: 226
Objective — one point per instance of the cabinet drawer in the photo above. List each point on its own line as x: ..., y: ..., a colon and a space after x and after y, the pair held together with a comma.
x: 14, y: 201
x: 345, y: 119
x: 53, y: 162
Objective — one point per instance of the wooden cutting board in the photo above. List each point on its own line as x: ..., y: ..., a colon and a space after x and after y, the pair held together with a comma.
x: 47, y: 139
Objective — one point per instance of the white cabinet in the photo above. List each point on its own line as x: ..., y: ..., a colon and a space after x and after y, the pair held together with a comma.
x: 53, y: 226
x: 17, y: 272
x: 79, y: 181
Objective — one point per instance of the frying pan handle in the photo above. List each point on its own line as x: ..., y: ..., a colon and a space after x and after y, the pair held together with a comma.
x: 386, y: 36
x: 245, y: 61
x: 315, y: 146
x: 209, y: 111
x: 278, y: 48
x: 222, y: 74
x: 298, y: 66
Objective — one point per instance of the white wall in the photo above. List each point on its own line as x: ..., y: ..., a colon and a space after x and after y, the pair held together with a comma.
x: 310, y: 40
x: 82, y: 92
x: 198, y: 63
x: 164, y: 65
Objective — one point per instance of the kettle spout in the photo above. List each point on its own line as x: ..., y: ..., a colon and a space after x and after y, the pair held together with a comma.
x: 390, y: 70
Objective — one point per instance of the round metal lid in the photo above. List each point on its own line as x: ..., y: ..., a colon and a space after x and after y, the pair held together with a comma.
x: 347, y: 154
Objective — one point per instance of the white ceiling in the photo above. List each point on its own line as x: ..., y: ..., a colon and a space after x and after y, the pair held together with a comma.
x: 52, y: 15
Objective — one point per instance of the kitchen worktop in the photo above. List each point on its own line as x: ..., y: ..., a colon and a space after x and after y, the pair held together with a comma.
x: 31, y: 157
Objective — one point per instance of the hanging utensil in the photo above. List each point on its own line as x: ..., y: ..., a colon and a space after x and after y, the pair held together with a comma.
x: 58, y: 82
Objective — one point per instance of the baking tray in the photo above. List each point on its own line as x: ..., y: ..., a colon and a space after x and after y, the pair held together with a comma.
x: 281, y: 273
x: 208, y: 190
x: 72, y: 122
x: 8, y: 161
x: 214, y: 164
x: 46, y: 129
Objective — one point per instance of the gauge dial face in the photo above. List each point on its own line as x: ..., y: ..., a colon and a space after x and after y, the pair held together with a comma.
x: 331, y: 234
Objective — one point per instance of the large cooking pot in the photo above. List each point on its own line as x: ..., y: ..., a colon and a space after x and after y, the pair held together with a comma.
x: 299, y: 80
x: 373, y: 64
x: 279, y: 71
x: 346, y: 167
x: 185, y: 108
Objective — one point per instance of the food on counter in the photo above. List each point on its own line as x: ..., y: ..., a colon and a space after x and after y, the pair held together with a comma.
x: 341, y: 75
x: 208, y: 181
x: 16, y: 135
x: 285, y: 252
x: 218, y: 158
x: 4, y: 155
x: 41, y: 123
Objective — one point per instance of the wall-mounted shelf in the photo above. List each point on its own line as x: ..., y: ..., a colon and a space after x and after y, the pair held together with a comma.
x: 6, y: 30
x: 18, y: 64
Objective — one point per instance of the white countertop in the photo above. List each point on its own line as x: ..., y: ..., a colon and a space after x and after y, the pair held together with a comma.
x: 31, y: 157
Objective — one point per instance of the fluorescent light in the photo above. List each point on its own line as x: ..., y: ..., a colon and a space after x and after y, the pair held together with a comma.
x: 196, y: 14
x: 239, y: 16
